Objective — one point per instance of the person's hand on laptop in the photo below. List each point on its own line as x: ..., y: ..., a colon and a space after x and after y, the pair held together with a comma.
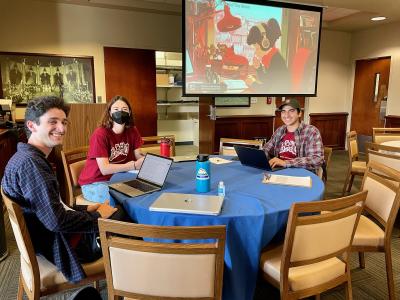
x: 138, y: 163
x: 135, y: 164
x: 105, y: 210
x: 277, y: 162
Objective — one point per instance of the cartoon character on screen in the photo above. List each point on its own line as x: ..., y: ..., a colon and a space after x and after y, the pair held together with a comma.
x: 271, y: 73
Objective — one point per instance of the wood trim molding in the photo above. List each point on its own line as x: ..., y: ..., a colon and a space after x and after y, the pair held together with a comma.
x: 392, y: 121
x: 329, y: 114
x: 243, y: 116
x: 332, y: 127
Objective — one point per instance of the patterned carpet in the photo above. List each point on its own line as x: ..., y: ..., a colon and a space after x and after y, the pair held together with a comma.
x: 369, y: 283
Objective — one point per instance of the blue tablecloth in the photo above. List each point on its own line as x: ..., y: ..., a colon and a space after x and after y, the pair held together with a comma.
x: 253, y: 213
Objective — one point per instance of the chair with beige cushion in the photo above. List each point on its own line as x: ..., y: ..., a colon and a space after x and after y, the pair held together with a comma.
x: 147, y: 269
x: 386, y: 155
x: 315, y: 253
x: 356, y: 167
x: 39, y: 277
x: 382, y: 204
x: 73, y: 162
x: 152, y: 144
x: 226, y: 145
x: 381, y: 135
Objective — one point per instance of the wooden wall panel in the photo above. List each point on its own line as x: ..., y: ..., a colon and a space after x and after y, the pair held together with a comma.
x: 256, y: 127
x: 8, y: 146
x: 132, y: 73
x: 227, y: 128
x: 332, y: 127
x: 242, y: 127
x: 392, y: 121
x: 83, y: 120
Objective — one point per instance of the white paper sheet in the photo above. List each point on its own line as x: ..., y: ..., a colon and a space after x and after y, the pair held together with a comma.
x: 288, y: 180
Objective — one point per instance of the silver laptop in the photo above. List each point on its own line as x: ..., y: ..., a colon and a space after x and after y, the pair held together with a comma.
x: 188, y: 204
x: 151, y: 177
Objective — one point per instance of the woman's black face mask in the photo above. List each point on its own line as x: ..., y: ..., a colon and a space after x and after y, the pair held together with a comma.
x: 120, y: 117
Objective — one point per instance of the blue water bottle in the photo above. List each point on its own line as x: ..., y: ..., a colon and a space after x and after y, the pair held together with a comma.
x: 203, y: 173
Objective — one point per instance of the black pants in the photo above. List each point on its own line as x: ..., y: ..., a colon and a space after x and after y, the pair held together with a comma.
x: 88, y: 248
x: 121, y: 214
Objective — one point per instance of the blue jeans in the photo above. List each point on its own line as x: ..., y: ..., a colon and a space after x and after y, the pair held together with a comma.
x: 97, y: 192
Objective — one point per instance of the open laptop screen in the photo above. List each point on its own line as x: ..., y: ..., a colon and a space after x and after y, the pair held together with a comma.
x: 155, y: 169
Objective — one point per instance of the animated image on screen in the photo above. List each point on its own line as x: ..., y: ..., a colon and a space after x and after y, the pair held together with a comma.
x: 254, y: 49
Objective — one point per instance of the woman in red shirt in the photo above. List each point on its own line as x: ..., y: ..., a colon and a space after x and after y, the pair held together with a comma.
x: 113, y: 147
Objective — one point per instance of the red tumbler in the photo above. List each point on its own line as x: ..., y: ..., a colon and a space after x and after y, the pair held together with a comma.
x: 165, y: 147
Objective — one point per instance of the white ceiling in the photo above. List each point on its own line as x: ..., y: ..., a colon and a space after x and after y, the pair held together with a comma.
x: 354, y: 15
x: 344, y: 15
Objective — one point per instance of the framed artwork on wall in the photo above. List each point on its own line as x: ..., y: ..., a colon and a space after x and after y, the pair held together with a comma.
x: 28, y: 75
x: 232, y: 101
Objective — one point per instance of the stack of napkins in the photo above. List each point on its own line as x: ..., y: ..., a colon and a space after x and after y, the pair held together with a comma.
x: 288, y: 180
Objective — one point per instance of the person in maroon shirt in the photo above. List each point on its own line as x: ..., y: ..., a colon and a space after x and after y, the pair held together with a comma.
x: 295, y: 144
x: 113, y: 147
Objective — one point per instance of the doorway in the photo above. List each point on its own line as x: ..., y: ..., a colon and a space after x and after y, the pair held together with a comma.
x: 371, y: 82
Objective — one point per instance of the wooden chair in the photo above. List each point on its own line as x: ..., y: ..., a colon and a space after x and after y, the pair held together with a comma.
x: 73, y: 162
x: 323, y: 173
x: 152, y: 144
x: 39, y: 277
x: 315, y: 254
x: 380, y: 135
x: 386, y: 155
x: 356, y: 167
x: 327, y: 155
x: 141, y: 269
x: 226, y: 145
x: 382, y: 204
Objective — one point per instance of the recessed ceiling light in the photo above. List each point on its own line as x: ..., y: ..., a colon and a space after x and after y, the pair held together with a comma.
x: 378, y: 18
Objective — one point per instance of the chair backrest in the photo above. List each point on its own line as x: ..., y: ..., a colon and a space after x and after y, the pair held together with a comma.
x: 386, y: 155
x: 327, y: 155
x: 30, y: 271
x: 312, y: 237
x: 352, y: 145
x: 323, y: 170
x: 380, y: 135
x: 226, y: 145
x: 157, y: 265
x: 73, y: 162
x: 152, y: 144
x: 382, y: 183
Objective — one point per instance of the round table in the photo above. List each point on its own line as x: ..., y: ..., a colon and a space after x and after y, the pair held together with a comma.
x: 391, y: 143
x: 253, y: 212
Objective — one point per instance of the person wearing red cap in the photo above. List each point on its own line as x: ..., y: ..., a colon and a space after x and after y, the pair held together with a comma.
x: 295, y: 144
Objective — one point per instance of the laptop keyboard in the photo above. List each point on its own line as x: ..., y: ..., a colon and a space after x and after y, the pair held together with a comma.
x: 144, y: 187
